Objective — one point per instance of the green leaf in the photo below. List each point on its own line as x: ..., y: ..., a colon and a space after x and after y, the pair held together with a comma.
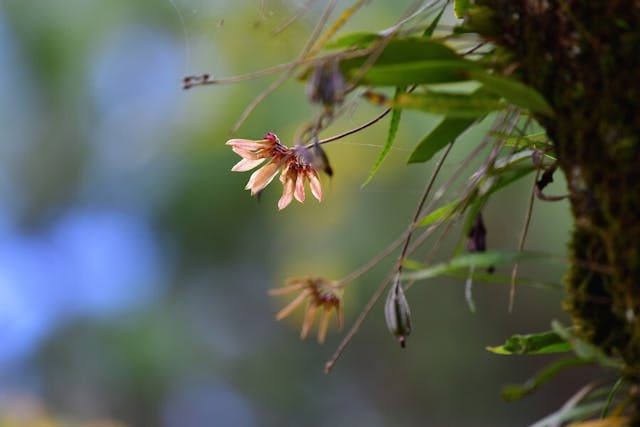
x: 533, y: 140
x: 499, y: 279
x: 434, y: 24
x: 354, y: 40
x: 403, y: 50
x: 568, y: 413
x: 442, y: 213
x: 396, y: 114
x: 461, y: 7
x: 469, y: 106
x: 583, y: 349
x: 513, y: 91
x: 541, y: 343
x: 478, y: 259
x: 409, y: 73
x: 445, y: 132
x: 513, y: 392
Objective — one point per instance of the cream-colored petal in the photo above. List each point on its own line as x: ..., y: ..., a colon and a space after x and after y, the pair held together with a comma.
x: 308, y: 320
x: 286, y: 289
x: 314, y: 184
x: 246, y: 164
x: 251, y: 155
x: 262, y: 177
x: 249, y: 144
x: 324, y: 324
x: 292, y: 305
x: 287, y: 194
x: 299, y: 193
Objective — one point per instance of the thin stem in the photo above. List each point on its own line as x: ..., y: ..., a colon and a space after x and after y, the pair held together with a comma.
x: 523, y: 239
x: 356, y: 325
x: 423, y: 200
x: 356, y: 129
x: 406, y: 237
x: 293, y: 18
x: 336, y: 26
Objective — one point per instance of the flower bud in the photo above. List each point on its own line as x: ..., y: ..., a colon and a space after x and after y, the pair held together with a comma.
x: 397, y: 313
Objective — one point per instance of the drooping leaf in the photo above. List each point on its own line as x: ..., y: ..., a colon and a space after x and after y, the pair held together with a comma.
x: 470, y: 106
x: 445, y: 132
x: 409, y: 73
x: 434, y: 24
x: 518, y: 391
x: 499, y: 279
x: 541, y: 343
x: 396, y: 114
x: 513, y: 91
x: 460, y: 7
x: 478, y: 259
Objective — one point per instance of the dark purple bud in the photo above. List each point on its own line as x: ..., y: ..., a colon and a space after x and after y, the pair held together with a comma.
x: 326, y: 84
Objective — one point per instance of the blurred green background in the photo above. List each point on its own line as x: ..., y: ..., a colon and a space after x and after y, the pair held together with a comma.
x: 134, y: 268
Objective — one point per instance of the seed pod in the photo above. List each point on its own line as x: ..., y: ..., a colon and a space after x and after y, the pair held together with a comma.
x: 397, y: 313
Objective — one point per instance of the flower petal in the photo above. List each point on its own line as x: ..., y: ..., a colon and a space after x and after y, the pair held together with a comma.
x: 246, y: 164
x: 292, y: 305
x: 247, y: 154
x: 287, y: 194
x: 262, y: 177
x: 324, y: 324
x: 314, y: 184
x: 249, y: 144
x: 308, y: 320
x: 299, y: 193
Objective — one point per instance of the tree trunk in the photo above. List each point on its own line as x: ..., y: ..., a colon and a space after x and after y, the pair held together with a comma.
x: 584, y: 57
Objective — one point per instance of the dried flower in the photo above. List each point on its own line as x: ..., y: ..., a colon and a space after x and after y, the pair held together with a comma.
x: 294, y: 168
x: 320, y: 294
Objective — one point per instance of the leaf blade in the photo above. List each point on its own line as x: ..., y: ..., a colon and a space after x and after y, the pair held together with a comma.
x: 445, y: 132
x: 396, y: 114
x: 513, y: 91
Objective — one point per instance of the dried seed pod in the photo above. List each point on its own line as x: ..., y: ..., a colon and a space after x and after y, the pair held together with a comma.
x: 397, y: 313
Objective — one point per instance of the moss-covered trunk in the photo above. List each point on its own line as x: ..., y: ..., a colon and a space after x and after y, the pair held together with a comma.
x: 584, y: 57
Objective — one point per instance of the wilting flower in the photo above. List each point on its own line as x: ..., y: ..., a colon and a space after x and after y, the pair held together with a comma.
x: 319, y: 293
x: 295, y: 169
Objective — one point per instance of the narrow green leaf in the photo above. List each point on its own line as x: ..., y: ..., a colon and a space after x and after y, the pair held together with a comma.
x: 513, y: 91
x: 583, y: 349
x: 442, y: 213
x: 460, y: 7
x: 409, y: 73
x: 445, y: 132
x: 500, y: 279
x: 541, y: 343
x: 404, y: 50
x: 396, y: 114
x: 513, y: 392
x: 478, y: 259
x: 533, y: 140
x: 469, y: 106
x: 434, y: 24
x: 569, y: 413
x: 354, y: 40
